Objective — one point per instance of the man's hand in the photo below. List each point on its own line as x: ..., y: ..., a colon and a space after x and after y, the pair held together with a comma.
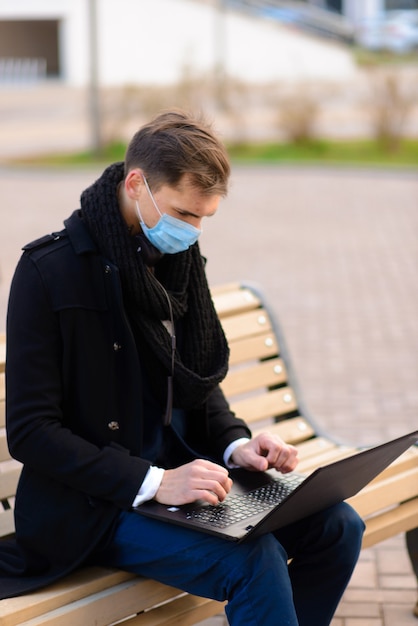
x: 264, y: 452
x: 198, y: 480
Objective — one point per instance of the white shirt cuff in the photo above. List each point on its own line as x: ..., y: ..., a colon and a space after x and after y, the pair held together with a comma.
x: 230, y: 449
x: 150, y: 485
x: 154, y: 476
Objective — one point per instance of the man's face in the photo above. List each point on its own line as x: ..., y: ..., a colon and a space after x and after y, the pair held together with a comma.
x: 183, y: 202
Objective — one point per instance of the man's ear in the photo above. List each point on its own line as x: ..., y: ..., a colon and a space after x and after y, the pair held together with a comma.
x: 134, y: 182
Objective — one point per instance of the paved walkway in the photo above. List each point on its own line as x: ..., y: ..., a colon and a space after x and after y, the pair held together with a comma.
x: 336, y: 250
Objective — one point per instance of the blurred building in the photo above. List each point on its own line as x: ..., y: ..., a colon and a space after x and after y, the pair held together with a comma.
x: 156, y: 41
x: 361, y: 9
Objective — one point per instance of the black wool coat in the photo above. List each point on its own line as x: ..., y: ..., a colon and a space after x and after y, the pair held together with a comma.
x: 74, y: 408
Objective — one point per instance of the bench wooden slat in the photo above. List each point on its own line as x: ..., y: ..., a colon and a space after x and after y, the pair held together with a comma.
x: 184, y: 611
x: 325, y: 458
x: 247, y: 324
x: 236, y: 300
x: 79, y: 585
x: 7, y: 526
x: 267, y: 374
x: 272, y: 404
x: 2, y: 352
x: 8, y: 483
x: 313, y: 447
x: 4, y: 450
x: 88, y: 585
x: 217, y: 290
x: 398, y: 520
x: 408, y: 460
x: 2, y: 397
x: 128, y: 599
x: 261, y: 346
x: 383, y: 493
x: 312, y: 455
x: 292, y: 429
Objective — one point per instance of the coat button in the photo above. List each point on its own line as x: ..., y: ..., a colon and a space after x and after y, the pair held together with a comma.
x: 113, y: 425
x: 107, y: 269
x: 117, y: 346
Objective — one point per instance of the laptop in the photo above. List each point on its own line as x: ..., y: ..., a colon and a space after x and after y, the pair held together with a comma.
x: 261, y: 502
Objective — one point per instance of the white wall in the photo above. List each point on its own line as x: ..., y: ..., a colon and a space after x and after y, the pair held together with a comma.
x: 141, y: 46
x: 151, y: 41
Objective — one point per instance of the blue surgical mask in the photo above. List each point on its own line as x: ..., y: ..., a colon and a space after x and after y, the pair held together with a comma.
x: 170, y: 235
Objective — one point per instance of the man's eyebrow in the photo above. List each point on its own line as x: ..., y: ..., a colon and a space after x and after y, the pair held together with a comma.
x: 190, y: 214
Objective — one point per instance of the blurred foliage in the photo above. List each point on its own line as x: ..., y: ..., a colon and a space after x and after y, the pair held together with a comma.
x: 392, y: 99
x: 298, y: 114
x: 290, y: 112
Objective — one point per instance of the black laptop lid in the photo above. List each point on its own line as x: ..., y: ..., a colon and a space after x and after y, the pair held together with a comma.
x: 334, y: 483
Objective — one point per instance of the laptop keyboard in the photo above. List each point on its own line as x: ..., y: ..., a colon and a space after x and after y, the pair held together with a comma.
x: 239, y: 507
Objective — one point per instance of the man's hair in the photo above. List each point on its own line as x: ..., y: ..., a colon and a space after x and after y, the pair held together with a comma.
x: 174, y: 144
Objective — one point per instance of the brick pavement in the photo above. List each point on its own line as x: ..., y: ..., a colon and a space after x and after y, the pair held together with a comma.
x: 336, y: 252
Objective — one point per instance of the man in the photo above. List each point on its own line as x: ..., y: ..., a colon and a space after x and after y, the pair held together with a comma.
x: 115, y: 355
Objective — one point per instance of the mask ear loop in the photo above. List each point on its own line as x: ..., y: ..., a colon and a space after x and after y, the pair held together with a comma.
x: 169, y: 407
x: 151, y: 196
x: 138, y: 212
x: 168, y: 413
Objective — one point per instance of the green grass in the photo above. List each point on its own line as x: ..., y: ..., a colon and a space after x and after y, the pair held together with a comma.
x: 383, y: 58
x: 361, y: 152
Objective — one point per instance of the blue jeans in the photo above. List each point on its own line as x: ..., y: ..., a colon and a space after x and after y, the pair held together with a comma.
x: 254, y: 577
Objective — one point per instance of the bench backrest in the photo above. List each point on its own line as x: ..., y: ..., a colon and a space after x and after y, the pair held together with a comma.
x: 260, y: 386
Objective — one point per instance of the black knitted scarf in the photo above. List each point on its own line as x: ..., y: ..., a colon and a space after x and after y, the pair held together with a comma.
x: 202, y: 353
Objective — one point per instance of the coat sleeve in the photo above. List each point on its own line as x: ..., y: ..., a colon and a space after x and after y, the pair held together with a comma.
x: 38, y: 434
x: 224, y: 426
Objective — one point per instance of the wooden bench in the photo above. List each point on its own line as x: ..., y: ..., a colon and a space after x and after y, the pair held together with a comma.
x: 261, y: 389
